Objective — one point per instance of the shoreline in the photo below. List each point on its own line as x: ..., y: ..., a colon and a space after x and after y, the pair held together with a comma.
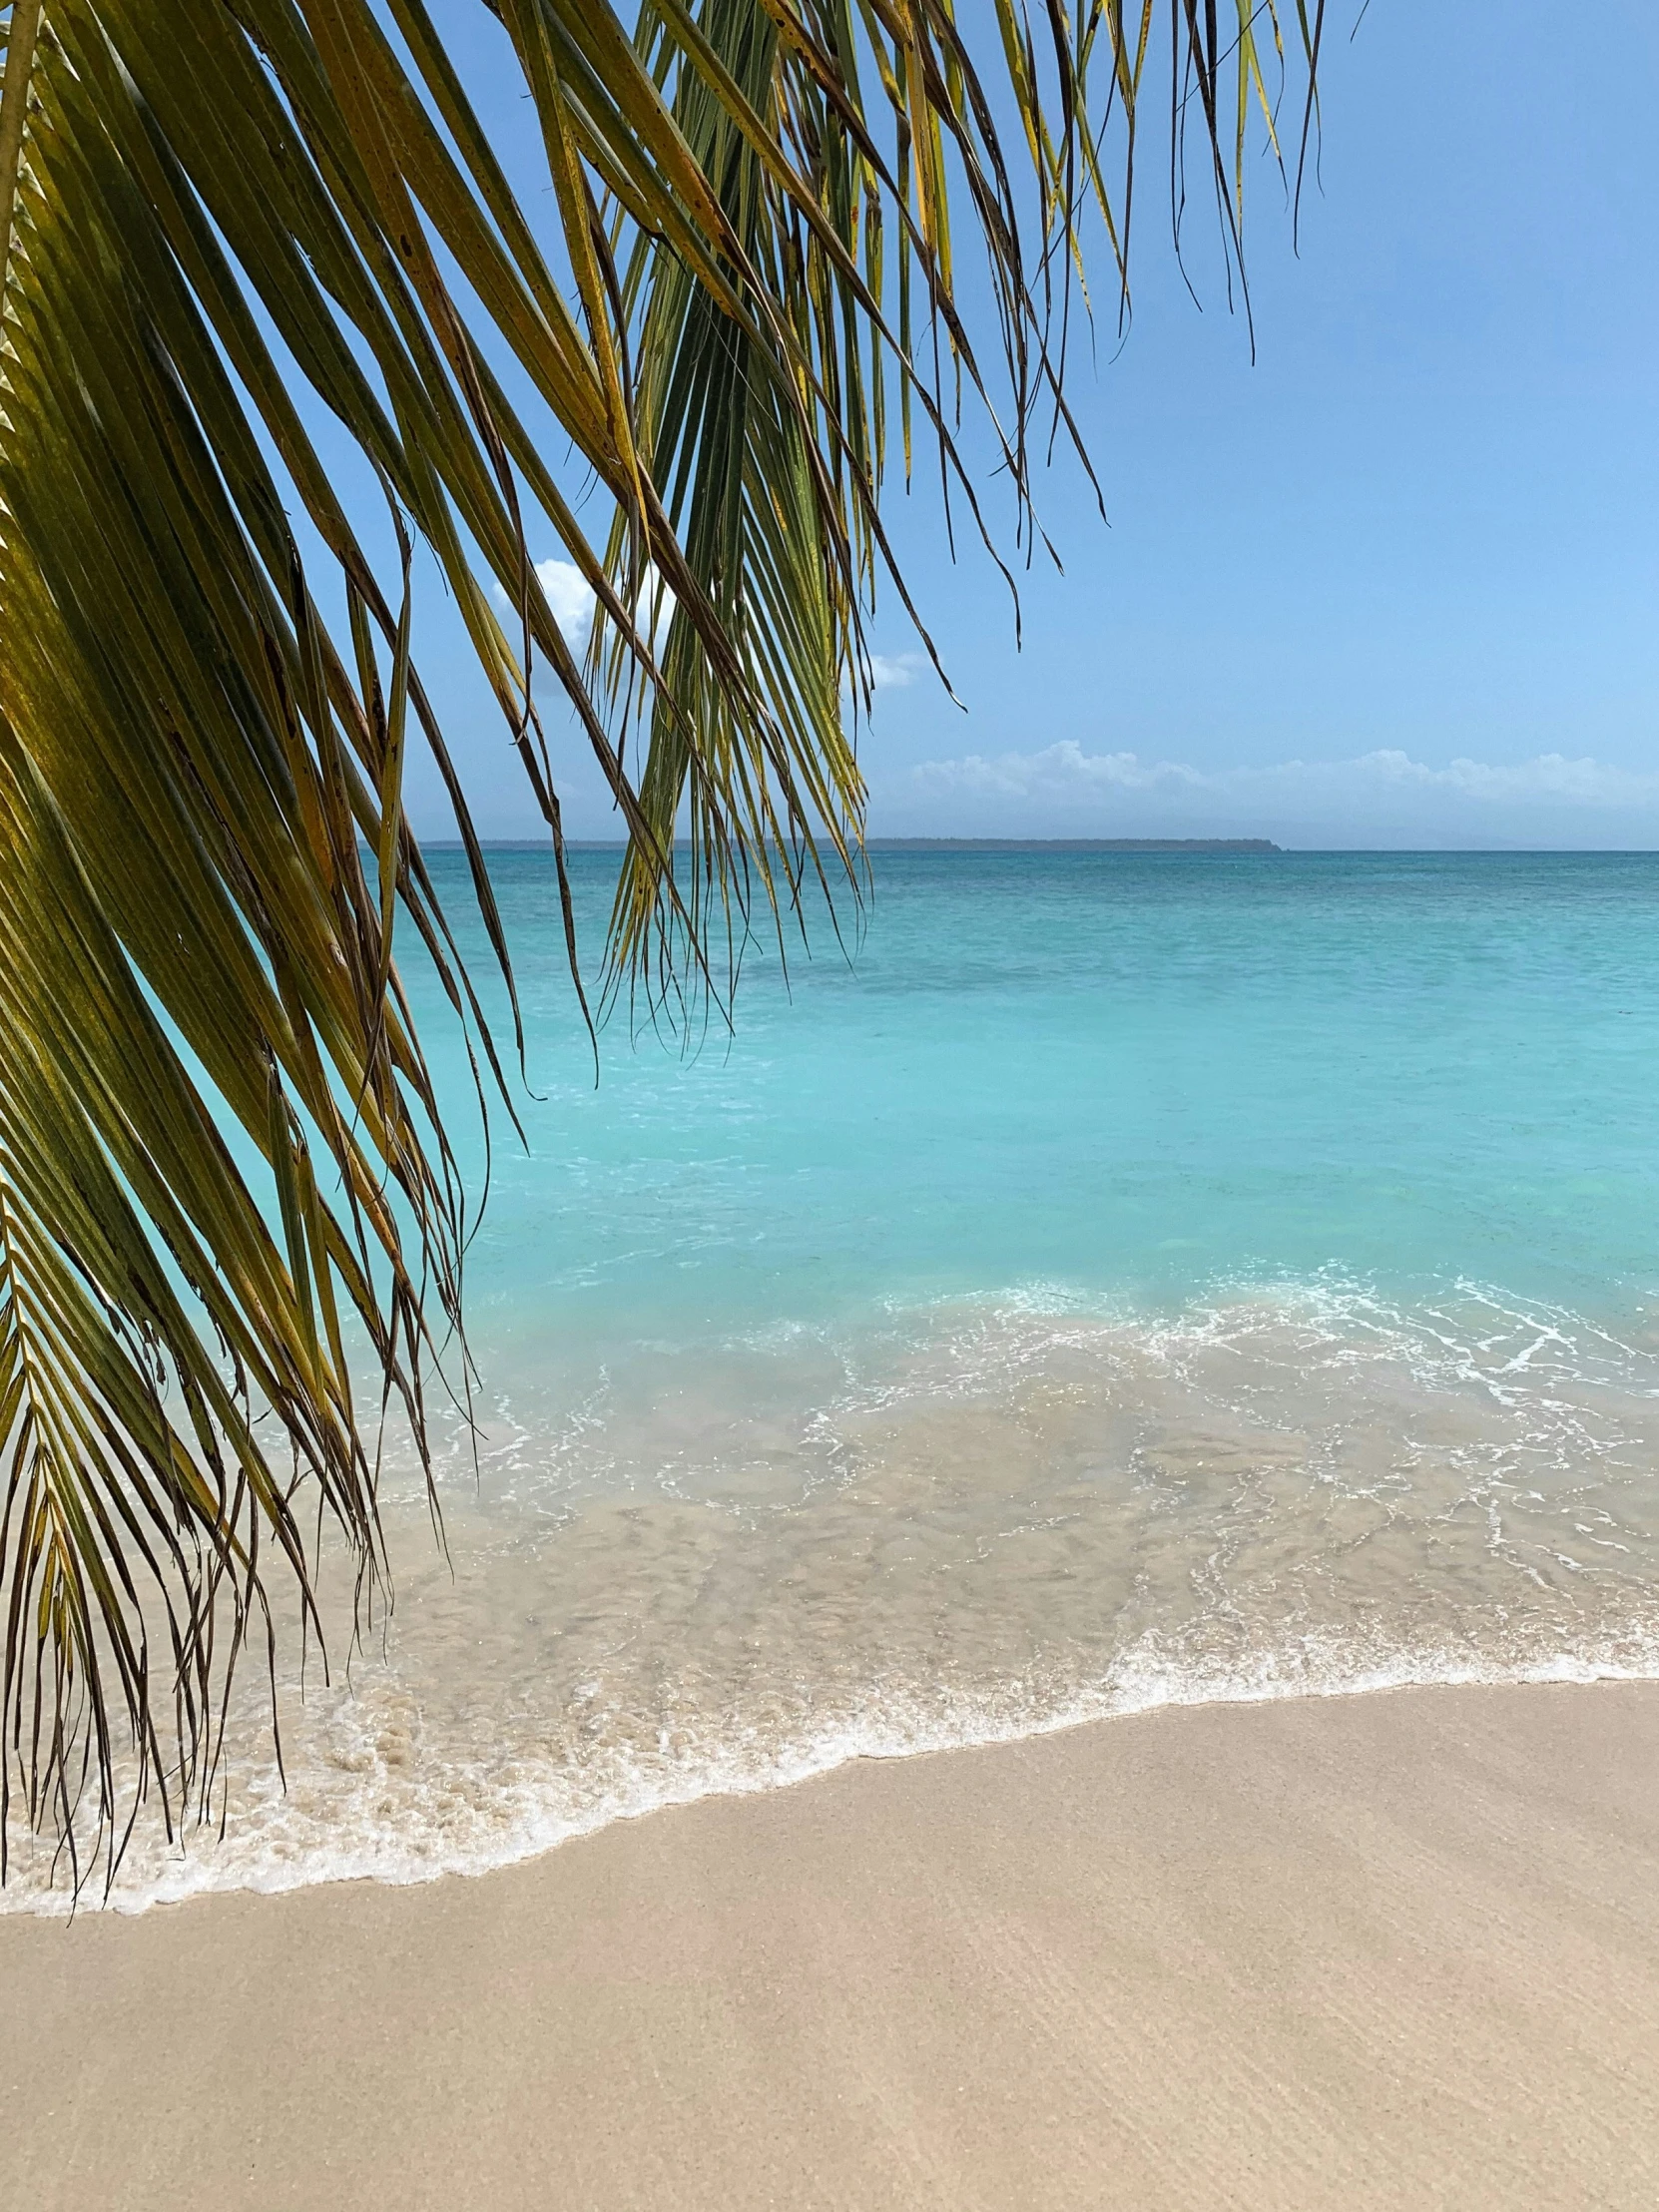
x: 1398, y: 1947
x: 56, y: 1906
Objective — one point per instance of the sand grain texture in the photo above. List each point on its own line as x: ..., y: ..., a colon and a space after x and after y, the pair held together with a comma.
x: 1399, y: 1951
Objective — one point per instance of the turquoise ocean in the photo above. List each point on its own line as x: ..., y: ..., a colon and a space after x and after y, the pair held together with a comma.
x: 1111, y: 1280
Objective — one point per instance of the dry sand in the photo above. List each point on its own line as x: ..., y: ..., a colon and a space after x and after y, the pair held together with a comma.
x: 1393, y: 1951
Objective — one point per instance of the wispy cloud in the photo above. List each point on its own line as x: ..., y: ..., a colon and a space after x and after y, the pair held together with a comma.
x: 893, y: 671
x: 1062, y: 790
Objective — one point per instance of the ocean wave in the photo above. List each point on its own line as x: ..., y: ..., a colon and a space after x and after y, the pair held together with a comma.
x: 729, y: 1565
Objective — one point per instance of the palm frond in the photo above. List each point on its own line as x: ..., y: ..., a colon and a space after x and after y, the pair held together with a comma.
x: 219, y: 221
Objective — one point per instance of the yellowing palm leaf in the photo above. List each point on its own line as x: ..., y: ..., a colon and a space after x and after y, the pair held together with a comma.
x: 218, y: 220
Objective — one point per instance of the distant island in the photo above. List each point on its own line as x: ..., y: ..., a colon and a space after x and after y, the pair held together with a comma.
x: 1073, y: 845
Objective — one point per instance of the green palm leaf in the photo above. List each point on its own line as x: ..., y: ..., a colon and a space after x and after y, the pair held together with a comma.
x: 219, y: 220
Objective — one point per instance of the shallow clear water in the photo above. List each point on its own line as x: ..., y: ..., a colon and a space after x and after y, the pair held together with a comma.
x: 1129, y: 1279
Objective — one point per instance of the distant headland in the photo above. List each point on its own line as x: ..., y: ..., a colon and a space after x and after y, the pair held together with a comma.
x: 1073, y: 845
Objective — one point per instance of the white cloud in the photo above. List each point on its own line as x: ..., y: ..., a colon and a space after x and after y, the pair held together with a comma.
x: 1385, y: 797
x: 572, y: 601
x: 893, y: 671
x: 570, y: 596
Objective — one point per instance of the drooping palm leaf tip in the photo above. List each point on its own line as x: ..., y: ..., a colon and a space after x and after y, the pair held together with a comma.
x: 220, y: 219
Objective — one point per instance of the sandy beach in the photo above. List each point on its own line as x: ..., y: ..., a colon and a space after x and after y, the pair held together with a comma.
x: 1392, y: 1950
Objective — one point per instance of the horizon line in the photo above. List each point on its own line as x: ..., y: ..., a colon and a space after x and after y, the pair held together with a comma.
x: 1092, y: 845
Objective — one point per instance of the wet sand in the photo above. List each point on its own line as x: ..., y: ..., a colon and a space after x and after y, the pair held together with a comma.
x: 1392, y: 1950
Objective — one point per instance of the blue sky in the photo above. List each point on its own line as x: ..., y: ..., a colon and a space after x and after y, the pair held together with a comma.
x: 1396, y: 582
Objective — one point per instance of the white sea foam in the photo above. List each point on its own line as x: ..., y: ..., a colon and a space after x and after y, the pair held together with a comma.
x: 476, y: 1817
x: 737, y: 1566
